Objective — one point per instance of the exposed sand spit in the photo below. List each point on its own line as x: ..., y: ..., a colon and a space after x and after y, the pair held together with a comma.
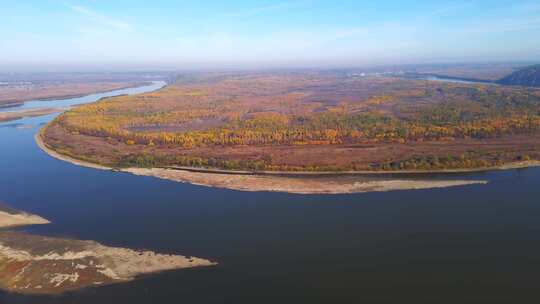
x: 8, y: 219
x: 304, y: 185
x: 36, y: 264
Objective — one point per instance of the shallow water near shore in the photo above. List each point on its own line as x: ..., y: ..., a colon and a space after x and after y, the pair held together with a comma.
x: 463, y: 244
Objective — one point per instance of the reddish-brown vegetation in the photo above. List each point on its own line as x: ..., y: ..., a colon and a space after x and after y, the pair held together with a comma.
x: 306, y: 121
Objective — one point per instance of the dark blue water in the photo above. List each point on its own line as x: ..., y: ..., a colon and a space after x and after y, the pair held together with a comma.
x: 470, y: 244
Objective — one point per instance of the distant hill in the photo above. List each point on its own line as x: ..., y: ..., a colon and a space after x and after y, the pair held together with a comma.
x: 528, y: 77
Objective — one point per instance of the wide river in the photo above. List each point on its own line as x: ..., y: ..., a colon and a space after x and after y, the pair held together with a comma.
x: 456, y: 245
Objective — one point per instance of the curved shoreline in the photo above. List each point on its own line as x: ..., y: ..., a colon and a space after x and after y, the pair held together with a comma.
x: 41, y: 265
x: 508, y: 166
x: 54, y: 154
x: 274, y: 182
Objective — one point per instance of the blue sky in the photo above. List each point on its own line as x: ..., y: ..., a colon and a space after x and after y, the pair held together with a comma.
x: 267, y: 32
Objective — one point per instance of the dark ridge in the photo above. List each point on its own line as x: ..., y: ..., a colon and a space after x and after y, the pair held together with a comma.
x: 527, y: 77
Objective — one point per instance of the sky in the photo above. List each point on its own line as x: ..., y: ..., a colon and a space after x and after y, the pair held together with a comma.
x: 266, y: 32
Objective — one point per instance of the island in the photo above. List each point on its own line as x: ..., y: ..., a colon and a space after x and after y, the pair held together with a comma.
x: 315, y: 131
x: 10, y: 218
x: 32, y: 264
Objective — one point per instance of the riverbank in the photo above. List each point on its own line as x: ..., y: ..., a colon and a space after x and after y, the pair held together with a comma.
x: 508, y: 166
x: 54, y: 154
x: 32, y: 264
x: 290, y: 182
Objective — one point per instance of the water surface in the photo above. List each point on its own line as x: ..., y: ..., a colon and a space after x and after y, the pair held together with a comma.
x: 447, y: 79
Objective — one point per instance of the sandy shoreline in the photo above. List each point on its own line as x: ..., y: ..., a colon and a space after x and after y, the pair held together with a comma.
x: 508, y: 166
x: 65, y: 158
x: 10, y: 220
x: 33, y: 264
x: 275, y: 183
x: 305, y: 185
x: 513, y: 165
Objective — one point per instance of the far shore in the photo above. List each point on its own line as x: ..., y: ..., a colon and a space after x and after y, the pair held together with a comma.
x: 20, y: 101
x: 14, y: 115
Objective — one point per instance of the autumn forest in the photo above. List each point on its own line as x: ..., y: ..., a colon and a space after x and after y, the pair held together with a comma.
x: 306, y: 121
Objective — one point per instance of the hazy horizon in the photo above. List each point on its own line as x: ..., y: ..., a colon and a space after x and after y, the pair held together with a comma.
x: 66, y: 35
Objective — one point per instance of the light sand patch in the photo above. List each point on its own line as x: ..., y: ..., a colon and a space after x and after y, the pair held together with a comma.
x: 307, y: 185
x: 37, y: 264
x: 20, y: 219
x: 59, y: 278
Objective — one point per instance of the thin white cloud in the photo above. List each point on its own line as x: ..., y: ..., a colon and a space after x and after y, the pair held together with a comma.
x: 100, y: 19
x: 443, y: 12
x: 350, y: 33
x: 292, y: 45
x: 263, y: 9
